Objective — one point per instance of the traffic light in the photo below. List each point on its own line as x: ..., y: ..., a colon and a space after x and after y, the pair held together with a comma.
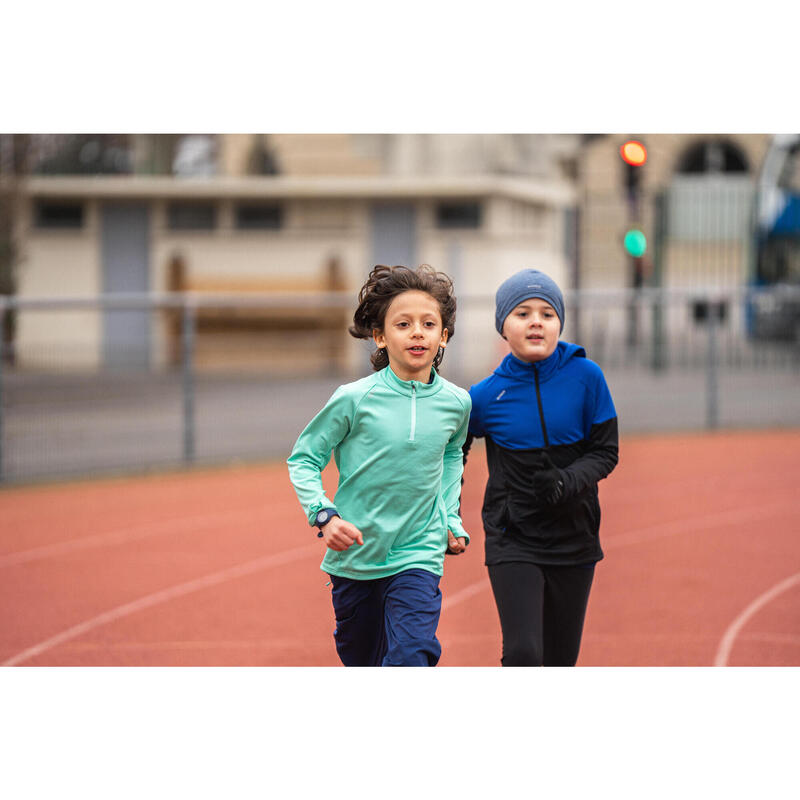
x: 635, y: 243
x: 634, y: 154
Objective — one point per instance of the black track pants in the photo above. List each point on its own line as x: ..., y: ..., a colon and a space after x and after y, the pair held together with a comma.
x: 541, y: 609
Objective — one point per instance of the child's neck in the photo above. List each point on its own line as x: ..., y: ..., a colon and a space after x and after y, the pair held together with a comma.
x: 422, y: 375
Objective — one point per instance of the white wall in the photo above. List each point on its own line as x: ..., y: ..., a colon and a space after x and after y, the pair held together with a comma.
x: 60, y: 264
x: 514, y: 235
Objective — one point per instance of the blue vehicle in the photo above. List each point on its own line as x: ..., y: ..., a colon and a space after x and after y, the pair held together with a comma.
x: 774, y: 311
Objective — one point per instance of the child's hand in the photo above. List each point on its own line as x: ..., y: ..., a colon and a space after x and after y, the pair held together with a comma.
x: 455, y: 546
x: 339, y: 535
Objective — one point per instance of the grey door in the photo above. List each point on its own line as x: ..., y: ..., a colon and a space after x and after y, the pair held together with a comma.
x: 125, y: 253
x: 394, y: 234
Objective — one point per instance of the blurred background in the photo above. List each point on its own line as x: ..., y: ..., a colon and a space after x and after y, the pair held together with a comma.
x: 172, y: 299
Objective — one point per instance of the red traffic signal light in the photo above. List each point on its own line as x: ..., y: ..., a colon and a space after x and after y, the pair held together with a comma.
x: 633, y: 153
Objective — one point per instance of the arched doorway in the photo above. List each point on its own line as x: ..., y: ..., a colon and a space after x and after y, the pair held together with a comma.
x: 710, y: 215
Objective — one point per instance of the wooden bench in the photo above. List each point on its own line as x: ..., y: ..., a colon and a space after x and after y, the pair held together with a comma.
x: 278, y: 323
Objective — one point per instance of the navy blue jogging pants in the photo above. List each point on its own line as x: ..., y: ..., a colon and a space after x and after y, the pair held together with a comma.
x: 389, y: 622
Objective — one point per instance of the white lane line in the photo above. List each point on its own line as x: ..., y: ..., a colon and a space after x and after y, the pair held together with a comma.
x: 177, y: 525
x: 726, y: 645
x: 163, y: 596
x: 632, y: 537
x: 714, y: 520
x: 465, y: 593
x: 641, y: 535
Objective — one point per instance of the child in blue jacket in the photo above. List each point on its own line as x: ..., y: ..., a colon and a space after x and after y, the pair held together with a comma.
x: 551, y: 434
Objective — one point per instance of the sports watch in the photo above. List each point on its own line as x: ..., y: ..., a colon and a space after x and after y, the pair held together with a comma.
x: 324, y: 516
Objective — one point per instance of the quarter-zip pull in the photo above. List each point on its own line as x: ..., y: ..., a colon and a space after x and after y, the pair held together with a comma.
x: 413, y: 432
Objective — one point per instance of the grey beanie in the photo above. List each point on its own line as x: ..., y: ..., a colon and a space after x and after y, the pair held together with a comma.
x: 522, y: 285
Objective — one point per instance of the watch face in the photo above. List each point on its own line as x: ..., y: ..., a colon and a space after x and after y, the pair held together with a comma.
x: 322, y: 517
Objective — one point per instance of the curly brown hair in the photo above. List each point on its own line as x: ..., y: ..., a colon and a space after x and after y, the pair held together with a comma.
x: 383, y: 285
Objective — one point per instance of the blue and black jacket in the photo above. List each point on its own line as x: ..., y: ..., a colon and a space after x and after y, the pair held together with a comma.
x: 560, y: 406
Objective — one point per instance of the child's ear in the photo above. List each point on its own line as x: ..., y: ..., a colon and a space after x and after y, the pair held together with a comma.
x: 378, y: 338
x: 445, y: 335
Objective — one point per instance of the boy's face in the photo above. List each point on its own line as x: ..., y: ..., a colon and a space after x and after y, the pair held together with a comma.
x: 412, y: 335
x: 532, y: 329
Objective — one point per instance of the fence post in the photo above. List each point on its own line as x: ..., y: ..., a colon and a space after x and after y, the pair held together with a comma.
x: 3, y: 312
x: 188, y: 381
x: 573, y: 249
x: 659, y: 354
x: 712, y: 388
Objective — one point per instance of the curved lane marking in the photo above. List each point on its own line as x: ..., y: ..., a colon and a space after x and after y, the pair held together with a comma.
x: 177, y: 525
x: 713, y: 520
x: 469, y: 591
x: 162, y: 596
x: 726, y: 645
x: 464, y: 594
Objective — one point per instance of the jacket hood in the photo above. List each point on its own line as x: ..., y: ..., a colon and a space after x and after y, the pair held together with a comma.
x: 512, y: 367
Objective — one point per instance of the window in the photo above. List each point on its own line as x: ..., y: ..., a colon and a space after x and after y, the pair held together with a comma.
x: 259, y: 217
x: 458, y: 215
x: 191, y: 216
x: 58, y: 215
x: 81, y: 154
x: 711, y: 195
x: 712, y: 157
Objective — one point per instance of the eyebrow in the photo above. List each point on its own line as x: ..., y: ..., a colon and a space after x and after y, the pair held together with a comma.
x: 425, y: 314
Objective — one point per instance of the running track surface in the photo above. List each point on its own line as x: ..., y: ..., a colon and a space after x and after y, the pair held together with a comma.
x: 219, y: 568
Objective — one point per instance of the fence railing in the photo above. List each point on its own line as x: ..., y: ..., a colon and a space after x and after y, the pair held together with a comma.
x: 71, y: 404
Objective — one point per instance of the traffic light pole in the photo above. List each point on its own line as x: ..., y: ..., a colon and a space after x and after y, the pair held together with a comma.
x: 634, y: 156
x: 634, y: 262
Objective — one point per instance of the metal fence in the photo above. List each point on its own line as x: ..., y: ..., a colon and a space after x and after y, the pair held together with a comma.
x: 71, y: 403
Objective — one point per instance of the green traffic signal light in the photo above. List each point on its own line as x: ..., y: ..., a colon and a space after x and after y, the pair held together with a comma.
x: 635, y: 243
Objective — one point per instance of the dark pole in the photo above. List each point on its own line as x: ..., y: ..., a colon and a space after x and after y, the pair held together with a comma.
x: 659, y: 349
x: 712, y: 382
x: 574, y: 243
x: 634, y: 263
x: 3, y: 313
x: 188, y: 382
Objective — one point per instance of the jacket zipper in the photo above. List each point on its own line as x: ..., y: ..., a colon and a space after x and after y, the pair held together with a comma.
x: 541, y: 409
x: 413, y: 411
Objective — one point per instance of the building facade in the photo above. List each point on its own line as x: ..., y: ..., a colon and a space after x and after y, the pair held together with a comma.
x: 251, y: 215
x: 706, y: 185
x: 275, y: 214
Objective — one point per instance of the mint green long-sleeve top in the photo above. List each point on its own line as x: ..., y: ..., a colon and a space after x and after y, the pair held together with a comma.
x: 397, y: 445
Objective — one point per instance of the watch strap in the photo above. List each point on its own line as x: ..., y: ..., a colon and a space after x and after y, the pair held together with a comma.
x: 323, y: 517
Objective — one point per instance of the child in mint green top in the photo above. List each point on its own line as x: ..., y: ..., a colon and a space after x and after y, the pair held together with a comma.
x: 396, y: 437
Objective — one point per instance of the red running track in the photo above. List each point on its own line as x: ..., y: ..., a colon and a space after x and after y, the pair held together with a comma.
x: 218, y: 568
